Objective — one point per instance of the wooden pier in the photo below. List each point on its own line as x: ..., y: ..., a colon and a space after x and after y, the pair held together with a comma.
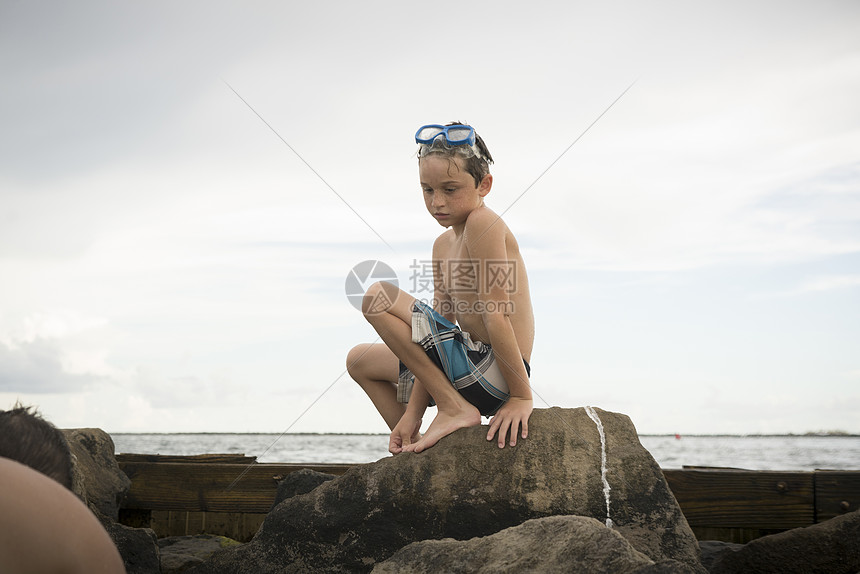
x: 185, y: 495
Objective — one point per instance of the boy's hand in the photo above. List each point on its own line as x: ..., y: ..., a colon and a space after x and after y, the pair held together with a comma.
x: 405, y: 432
x: 512, y: 415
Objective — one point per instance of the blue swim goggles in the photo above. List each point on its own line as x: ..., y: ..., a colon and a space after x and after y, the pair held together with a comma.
x: 454, y: 135
x: 462, y: 137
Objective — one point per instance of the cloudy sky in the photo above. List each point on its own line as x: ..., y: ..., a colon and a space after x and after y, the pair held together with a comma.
x: 184, y: 188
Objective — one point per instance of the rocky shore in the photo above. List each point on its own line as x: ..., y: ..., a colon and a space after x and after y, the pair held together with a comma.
x: 579, y: 495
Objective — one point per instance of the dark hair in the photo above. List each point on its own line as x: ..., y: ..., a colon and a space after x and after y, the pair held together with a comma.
x: 477, y: 167
x: 31, y: 440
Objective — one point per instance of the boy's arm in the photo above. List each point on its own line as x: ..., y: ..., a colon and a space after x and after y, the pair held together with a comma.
x: 486, y: 243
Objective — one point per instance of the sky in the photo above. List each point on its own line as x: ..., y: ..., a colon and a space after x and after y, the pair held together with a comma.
x: 185, y: 186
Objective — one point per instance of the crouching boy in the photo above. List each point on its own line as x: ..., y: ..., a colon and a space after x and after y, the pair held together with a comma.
x: 469, y: 351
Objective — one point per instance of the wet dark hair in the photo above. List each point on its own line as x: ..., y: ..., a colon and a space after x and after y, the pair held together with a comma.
x: 31, y: 440
x: 477, y: 167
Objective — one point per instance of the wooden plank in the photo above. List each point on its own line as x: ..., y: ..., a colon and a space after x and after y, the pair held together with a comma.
x: 207, y: 487
x: 176, y: 520
x: 208, y: 458
x: 836, y: 492
x: 744, y: 499
x: 195, y: 522
x: 161, y: 522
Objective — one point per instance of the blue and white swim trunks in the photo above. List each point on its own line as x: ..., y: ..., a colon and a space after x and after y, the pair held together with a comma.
x: 470, y: 365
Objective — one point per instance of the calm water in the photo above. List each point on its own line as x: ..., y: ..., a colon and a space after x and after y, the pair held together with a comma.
x: 749, y: 452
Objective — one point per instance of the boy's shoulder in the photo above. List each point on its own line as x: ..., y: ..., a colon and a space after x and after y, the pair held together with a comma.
x: 482, y: 216
x: 484, y: 223
x: 444, y: 240
x: 483, y: 226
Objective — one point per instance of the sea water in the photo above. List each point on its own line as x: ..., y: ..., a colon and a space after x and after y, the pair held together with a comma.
x: 747, y: 452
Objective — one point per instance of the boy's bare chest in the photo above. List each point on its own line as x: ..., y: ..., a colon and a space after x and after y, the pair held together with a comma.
x: 460, y: 274
x: 467, y: 278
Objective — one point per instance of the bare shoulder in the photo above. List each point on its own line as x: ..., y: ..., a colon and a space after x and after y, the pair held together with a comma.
x: 443, y: 244
x: 486, y: 234
x: 42, y: 513
x: 484, y: 220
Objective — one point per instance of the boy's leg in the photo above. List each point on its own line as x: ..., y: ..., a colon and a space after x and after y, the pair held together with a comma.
x: 375, y: 369
x: 393, y: 321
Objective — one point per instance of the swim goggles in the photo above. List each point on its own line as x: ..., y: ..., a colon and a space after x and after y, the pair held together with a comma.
x: 459, y: 136
x: 454, y: 135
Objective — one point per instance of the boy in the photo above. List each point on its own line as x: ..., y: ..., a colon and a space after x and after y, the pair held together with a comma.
x: 480, y: 367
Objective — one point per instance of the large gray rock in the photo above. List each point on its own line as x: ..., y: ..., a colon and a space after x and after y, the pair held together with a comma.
x: 300, y: 482
x: 556, y: 544
x: 466, y: 487
x: 181, y: 553
x: 99, y: 482
x: 137, y: 546
x: 831, y: 547
x: 712, y: 550
x: 97, y: 478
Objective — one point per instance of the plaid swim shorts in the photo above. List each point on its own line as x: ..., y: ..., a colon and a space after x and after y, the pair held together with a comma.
x: 470, y: 365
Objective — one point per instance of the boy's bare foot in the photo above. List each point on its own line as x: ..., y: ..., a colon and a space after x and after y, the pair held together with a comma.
x: 443, y: 425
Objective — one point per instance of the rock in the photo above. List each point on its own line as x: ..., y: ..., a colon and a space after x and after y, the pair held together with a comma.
x: 668, y: 567
x: 177, y: 563
x: 466, y: 487
x: 99, y: 482
x: 712, y: 550
x: 97, y: 478
x: 137, y: 546
x: 561, y: 544
x: 180, y: 553
x: 830, y: 547
x: 300, y: 482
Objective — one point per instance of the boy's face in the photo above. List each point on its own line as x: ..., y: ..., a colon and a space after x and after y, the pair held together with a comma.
x: 449, y: 190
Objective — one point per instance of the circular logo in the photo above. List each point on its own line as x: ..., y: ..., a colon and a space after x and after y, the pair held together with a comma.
x: 362, y: 276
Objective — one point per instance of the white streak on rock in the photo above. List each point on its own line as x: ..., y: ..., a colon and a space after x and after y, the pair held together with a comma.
x: 593, y: 416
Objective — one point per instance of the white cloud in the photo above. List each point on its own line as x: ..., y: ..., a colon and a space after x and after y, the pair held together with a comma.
x: 830, y: 283
x: 816, y: 285
x: 57, y: 324
x: 37, y: 367
x: 52, y: 352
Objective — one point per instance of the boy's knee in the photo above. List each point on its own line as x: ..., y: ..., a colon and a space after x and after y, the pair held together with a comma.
x: 378, y: 298
x: 352, y: 358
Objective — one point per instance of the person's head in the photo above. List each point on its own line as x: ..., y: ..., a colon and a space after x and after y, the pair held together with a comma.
x: 468, y: 147
x: 453, y: 165
x: 31, y: 440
